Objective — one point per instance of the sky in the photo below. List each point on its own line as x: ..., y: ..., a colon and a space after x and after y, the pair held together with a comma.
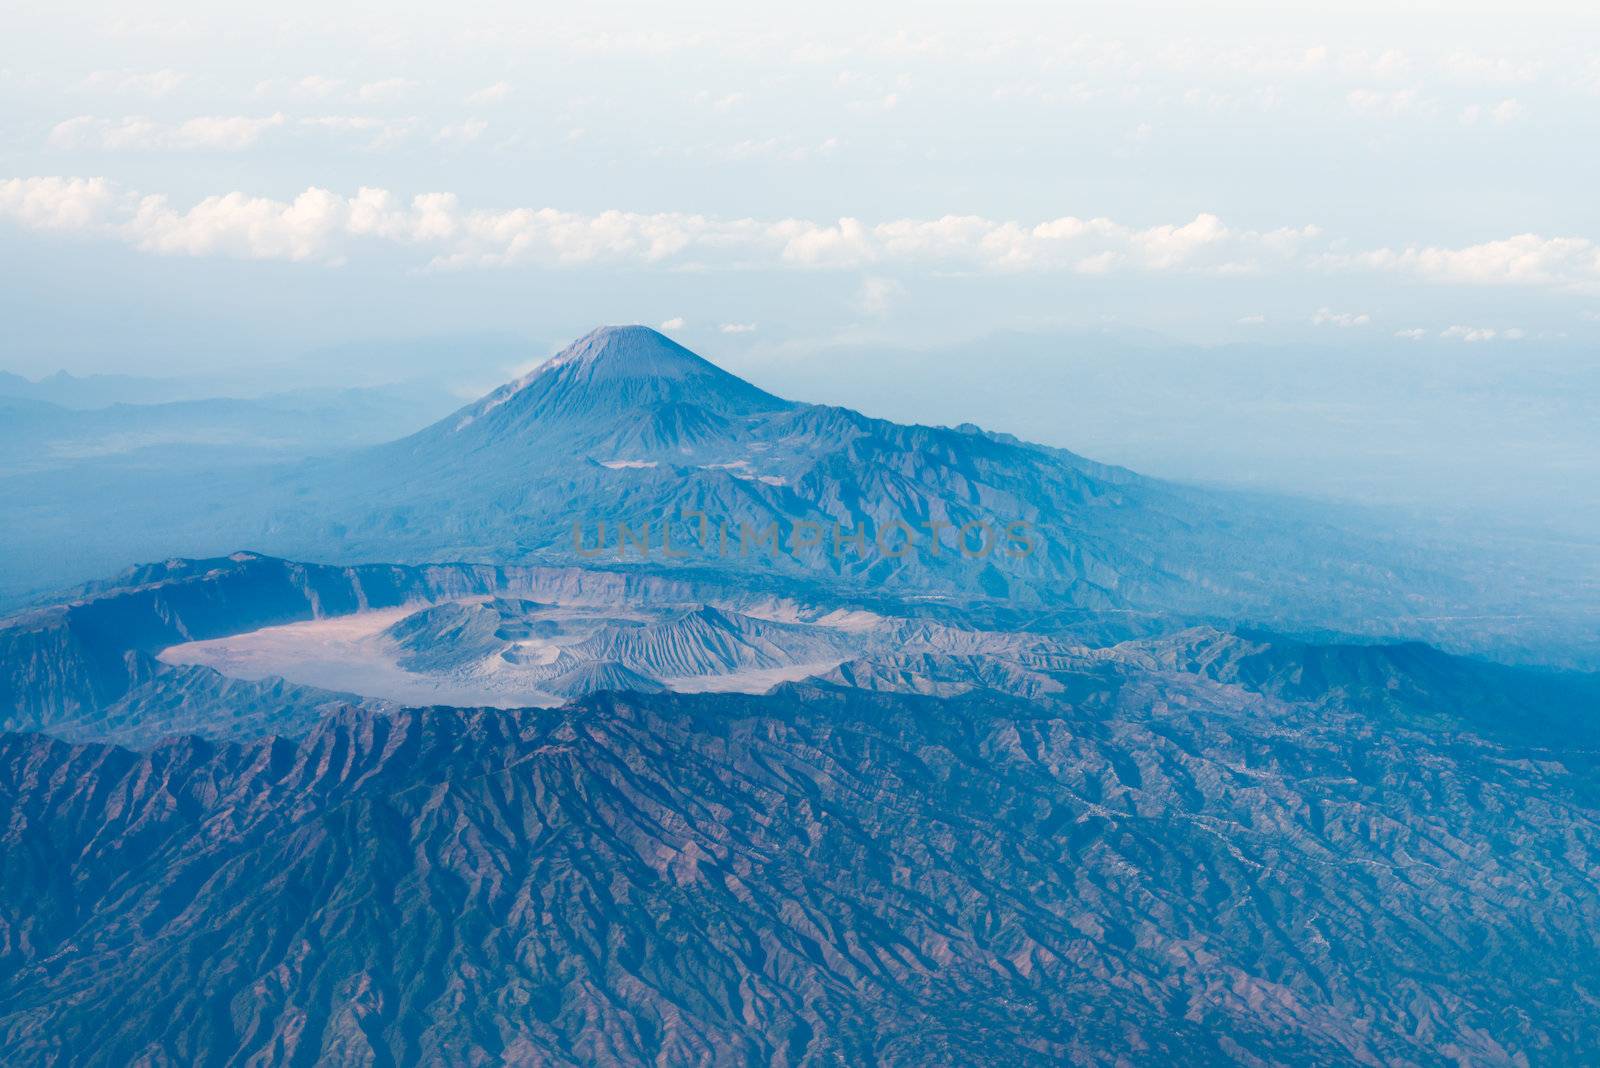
x: 339, y: 192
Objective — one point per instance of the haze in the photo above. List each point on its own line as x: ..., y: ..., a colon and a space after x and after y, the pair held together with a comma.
x: 1352, y: 259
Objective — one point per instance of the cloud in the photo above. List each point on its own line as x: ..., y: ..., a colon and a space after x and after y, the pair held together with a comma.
x: 223, y: 133
x: 1343, y: 320
x: 1499, y: 115
x: 250, y: 227
x: 317, y: 85
x: 1475, y: 334
x: 674, y: 323
x: 1414, y: 334
x: 386, y: 90
x: 490, y: 94
x: 87, y: 131
x: 444, y: 233
x: 1505, y: 111
x: 1388, y: 104
x: 724, y: 103
x: 455, y: 237
x: 737, y: 328
x: 1470, y: 66
x: 314, y: 86
x: 233, y: 225
x: 877, y: 295
x: 70, y: 205
x: 1087, y: 246
x: 155, y: 83
x: 887, y: 102
x: 1570, y: 263
x: 378, y: 132
x: 462, y: 133
x: 777, y: 149
x: 228, y: 133
x: 1469, y: 334
x: 1251, y: 320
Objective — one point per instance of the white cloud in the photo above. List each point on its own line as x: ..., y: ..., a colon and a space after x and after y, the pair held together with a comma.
x: 1385, y: 66
x: 674, y: 323
x: 1473, y: 67
x: 490, y: 94
x: 378, y: 132
x: 737, y: 328
x: 1499, y: 114
x: 1570, y: 263
x: 887, y: 102
x: 73, y: 205
x: 386, y: 90
x: 317, y: 85
x: 1251, y: 320
x: 313, y: 86
x: 878, y: 295
x: 1414, y: 334
x: 777, y: 149
x: 248, y: 227
x: 1505, y: 111
x: 1477, y: 334
x: 462, y: 133
x: 229, y: 133
x: 1391, y: 104
x: 156, y: 83
x: 1088, y: 246
x: 724, y: 103
x: 87, y: 131
x: 226, y: 133
x: 444, y: 233
x: 1344, y: 320
x: 1469, y: 334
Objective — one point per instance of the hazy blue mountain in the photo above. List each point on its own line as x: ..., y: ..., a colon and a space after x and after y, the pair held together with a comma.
x: 96, y: 391
x: 1429, y: 429
x: 176, y: 438
x: 626, y: 427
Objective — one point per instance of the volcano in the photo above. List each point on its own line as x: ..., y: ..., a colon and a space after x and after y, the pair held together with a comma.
x: 627, y: 450
x: 627, y: 427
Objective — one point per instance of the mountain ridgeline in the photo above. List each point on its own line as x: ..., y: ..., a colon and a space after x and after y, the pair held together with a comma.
x: 626, y: 449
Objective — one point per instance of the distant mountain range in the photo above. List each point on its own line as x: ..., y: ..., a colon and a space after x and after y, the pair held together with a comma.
x: 94, y: 391
x: 176, y: 439
x: 627, y: 429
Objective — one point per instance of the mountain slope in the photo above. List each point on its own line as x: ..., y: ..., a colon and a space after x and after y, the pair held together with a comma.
x: 707, y: 641
x: 814, y: 877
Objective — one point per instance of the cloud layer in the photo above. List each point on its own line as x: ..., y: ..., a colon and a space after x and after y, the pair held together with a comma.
x: 322, y: 226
